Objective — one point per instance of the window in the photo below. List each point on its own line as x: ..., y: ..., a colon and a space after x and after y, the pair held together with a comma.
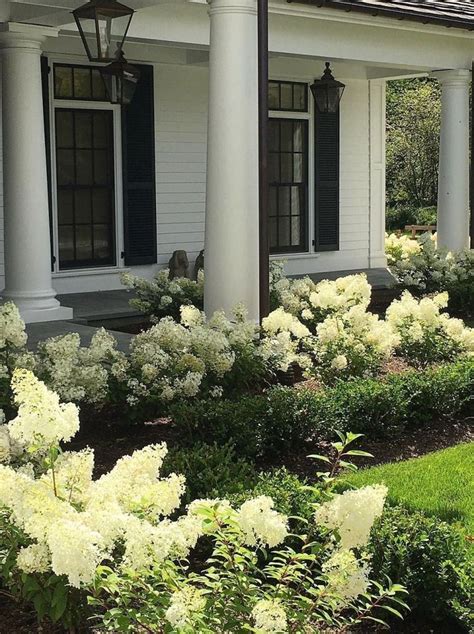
x: 288, y: 96
x: 78, y: 82
x: 288, y: 176
x: 85, y: 187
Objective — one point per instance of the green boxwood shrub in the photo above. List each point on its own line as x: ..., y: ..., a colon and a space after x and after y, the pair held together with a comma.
x: 211, y: 471
x: 282, y: 418
x: 432, y: 559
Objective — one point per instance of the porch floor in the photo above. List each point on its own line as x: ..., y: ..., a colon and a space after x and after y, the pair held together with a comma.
x: 111, y: 309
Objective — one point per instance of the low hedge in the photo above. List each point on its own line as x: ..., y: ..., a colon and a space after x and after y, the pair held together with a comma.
x: 284, y: 417
x: 433, y: 560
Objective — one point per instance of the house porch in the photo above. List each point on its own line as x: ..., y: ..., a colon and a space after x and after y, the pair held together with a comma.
x: 201, y: 181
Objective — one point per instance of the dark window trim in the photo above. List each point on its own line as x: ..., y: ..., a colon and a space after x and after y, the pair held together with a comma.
x: 302, y: 248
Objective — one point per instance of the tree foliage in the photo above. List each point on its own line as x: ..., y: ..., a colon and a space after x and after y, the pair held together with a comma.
x: 413, y: 127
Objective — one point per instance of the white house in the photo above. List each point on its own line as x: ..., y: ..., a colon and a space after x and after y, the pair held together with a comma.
x: 90, y: 191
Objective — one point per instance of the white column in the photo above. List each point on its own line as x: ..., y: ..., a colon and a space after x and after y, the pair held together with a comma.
x: 26, y: 225
x: 231, y: 242
x: 453, y: 182
x: 377, y: 96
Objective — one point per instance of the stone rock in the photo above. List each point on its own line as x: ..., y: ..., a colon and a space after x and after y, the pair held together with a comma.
x: 199, y: 264
x: 178, y: 264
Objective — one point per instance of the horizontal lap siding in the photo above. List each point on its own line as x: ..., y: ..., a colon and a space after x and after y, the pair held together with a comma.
x: 354, y: 184
x: 181, y: 132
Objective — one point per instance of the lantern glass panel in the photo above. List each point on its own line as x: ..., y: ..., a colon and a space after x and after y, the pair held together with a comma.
x: 103, y: 26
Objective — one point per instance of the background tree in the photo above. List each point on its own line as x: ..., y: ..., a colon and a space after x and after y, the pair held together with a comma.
x: 413, y: 127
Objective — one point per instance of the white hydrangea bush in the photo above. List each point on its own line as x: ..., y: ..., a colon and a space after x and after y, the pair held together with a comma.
x: 162, y: 296
x: 420, y: 267
x: 13, y: 340
x: 312, y: 302
x: 116, y: 541
x: 354, y: 343
x: 425, y: 333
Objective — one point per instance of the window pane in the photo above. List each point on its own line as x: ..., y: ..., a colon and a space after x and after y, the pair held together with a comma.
x: 284, y: 201
x: 101, y: 168
x: 83, y: 129
x: 82, y: 198
x: 286, y: 136
x: 66, y: 243
x: 84, y: 167
x: 295, y: 231
x: 101, y: 205
x: 65, y: 159
x: 274, y: 96
x: 273, y: 233
x: 98, y: 88
x: 102, y: 242
x: 62, y: 82
x: 83, y: 242
x: 286, y: 96
x: 273, y: 202
x: 298, y: 168
x: 64, y: 128
x: 286, y: 168
x: 300, y: 92
x: 295, y: 201
x: 298, y: 137
x: 273, y: 135
x: 65, y: 206
x: 284, y: 231
x: 101, y: 127
x: 274, y: 167
x: 82, y: 83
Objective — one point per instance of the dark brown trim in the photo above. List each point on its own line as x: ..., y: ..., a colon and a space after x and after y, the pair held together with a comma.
x: 264, y: 250
x: 393, y: 12
x: 471, y: 183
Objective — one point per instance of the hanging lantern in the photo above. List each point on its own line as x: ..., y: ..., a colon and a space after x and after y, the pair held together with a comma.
x: 327, y: 92
x: 103, y: 26
x: 120, y: 79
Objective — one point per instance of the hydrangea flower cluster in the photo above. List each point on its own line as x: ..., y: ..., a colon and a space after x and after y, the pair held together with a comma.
x: 426, y: 334
x: 71, y: 523
x: 162, y: 296
x: 12, y: 338
x: 426, y: 269
x: 354, y: 343
x: 400, y: 247
x: 312, y: 302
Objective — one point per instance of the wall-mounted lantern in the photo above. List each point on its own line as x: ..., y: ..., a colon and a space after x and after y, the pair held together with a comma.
x: 327, y: 92
x: 120, y: 79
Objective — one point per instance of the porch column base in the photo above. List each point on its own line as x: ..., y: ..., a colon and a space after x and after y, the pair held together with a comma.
x: 37, y: 307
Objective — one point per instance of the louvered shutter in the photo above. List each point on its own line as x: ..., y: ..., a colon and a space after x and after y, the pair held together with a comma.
x: 138, y: 157
x: 47, y: 142
x: 327, y: 181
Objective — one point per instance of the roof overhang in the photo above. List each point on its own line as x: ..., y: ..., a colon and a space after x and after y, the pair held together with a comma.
x: 422, y: 13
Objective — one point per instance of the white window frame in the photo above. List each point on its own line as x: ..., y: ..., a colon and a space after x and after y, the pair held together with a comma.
x: 58, y: 104
x: 305, y: 116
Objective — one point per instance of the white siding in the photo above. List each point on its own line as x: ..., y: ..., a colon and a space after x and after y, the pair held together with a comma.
x: 181, y: 129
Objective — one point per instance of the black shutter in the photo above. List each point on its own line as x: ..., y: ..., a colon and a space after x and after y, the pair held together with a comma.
x: 138, y: 156
x: 327, y: 181
x: 47, y: 141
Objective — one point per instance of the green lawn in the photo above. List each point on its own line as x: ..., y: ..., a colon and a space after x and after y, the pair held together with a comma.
x: 440, y: 483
